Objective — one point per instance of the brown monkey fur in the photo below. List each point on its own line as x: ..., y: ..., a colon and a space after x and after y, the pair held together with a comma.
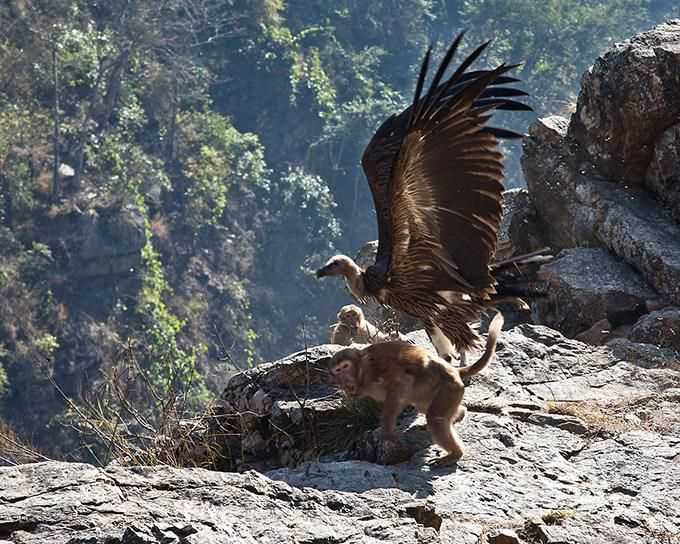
x: 400, y: 375
x: 353, y: 327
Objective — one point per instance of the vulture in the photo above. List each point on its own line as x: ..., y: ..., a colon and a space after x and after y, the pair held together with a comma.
x: 436, y: 175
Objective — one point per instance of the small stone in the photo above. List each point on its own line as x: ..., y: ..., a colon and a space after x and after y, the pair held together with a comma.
x: 503, y: 536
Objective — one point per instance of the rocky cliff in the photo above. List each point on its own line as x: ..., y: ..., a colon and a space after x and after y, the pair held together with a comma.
x: 573, y: 433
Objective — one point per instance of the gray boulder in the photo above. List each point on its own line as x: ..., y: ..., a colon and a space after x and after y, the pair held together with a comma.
x: 661, y: 328
x: 577, y: 209
x: 588, y: 285
x: 596, y: 180
x: 663, y: 173
x: 628, y: 97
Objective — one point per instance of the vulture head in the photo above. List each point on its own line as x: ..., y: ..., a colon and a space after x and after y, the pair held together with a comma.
x: 342, y: 265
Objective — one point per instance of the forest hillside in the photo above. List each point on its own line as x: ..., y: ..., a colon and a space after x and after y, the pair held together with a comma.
x: 171, y: 173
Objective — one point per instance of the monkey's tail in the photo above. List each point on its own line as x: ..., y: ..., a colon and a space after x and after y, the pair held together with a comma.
x: 481, y: 363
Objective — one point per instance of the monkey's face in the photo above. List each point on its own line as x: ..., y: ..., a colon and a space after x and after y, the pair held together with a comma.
x: 343, y: 374
x: 350, y: 315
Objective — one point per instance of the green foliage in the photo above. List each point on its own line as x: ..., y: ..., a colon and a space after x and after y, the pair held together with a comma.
x: 46, y: 345
x: 22, y: 156
x: 214, y: 158
x: 171, y: 368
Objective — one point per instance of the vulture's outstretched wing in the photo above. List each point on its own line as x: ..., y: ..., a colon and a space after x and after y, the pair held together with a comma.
x: 436, y: 178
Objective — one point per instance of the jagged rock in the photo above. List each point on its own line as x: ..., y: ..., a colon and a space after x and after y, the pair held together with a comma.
x: 663, y: 174
x: 661, y: 328
x: 550, y: 420
x: 628, y: 99
x: 629, y: 96
x: 548, y: 165
x: 503, y: 536
x: 588, y: 285
x: 644, y: 355
x: 577, y: 209
x: 161, y: 505
x: 603, y: 332
x: 519, y: 232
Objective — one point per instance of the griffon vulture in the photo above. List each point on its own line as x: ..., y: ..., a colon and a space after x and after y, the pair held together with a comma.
x: 436, y: 174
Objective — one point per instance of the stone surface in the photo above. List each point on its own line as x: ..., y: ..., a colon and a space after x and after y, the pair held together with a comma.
x: 577, y: 209
x: 663, y: 173
x: 588, y: 285
x: 628, y: 97
x: 661, y: 328
x: 519, y: 232
x: 549, y: 167
x: 595, y: 180
x: 64, y: 503
x: 565, y: 443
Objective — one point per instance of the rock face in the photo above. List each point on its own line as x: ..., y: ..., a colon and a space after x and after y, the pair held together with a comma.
x: 608, y: 178
x: 565, y: 443
x: 588, y: 285
x: 661, y: 328
x: 663, y: 174
x: 628, y: 98
x: 157, y: 505
x: 112, y: 243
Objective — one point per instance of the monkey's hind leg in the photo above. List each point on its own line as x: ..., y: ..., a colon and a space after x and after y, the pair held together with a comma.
x: 445, y: 410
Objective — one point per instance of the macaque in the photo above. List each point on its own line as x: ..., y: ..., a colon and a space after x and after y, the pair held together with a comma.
x: 353, y: 327
x: 400, y: 375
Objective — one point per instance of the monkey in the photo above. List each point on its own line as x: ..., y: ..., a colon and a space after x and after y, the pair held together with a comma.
x: 353, y: 327
x: 400, y: 375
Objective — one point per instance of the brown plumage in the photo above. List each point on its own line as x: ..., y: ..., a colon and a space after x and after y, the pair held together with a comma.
x: 436, y: 174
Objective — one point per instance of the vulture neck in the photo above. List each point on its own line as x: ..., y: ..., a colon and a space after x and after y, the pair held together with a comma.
x: 354, y: 278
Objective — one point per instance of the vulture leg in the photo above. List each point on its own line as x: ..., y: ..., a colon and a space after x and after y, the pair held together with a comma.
x: 442, y: 344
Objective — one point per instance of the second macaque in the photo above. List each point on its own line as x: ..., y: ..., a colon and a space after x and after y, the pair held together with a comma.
x: 400, y: 375
x: 353, y: 328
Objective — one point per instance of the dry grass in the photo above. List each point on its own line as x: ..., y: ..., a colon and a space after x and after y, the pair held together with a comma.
x: 14, y: 451
x: 556, y: 517
x: 125, y: 419
x: 616, y: 416
x: 160, y: 228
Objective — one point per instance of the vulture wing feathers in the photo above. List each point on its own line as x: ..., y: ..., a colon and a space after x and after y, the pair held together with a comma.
x: 436, y: 177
